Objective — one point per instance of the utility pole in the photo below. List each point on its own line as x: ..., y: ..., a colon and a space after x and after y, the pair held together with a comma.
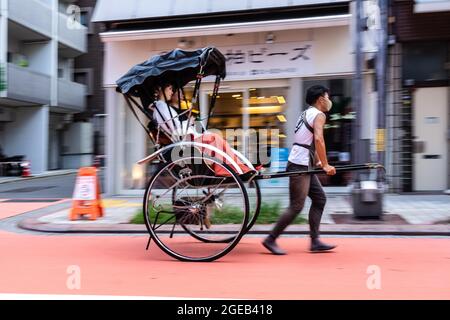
x: 367, y: 200
x: 357, y: 87
x: 381, y: 68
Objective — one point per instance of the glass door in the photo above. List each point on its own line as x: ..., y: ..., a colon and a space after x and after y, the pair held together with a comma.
x: 266, y: 111
x: 228, y: 117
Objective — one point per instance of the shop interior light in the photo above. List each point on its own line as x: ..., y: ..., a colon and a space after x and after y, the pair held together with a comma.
x: 137, y: 172
x: 264, y: 100
x: 281, y: 118
x: 185, y: 106
x: 262, y: 110
x: 281, y: 100
x: 237, y: 96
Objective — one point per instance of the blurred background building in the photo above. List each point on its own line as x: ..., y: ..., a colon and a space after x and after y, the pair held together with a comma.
x: 48, y: 86
x: 419, y: 100
x: 59, y: 108
x: 89, y: 71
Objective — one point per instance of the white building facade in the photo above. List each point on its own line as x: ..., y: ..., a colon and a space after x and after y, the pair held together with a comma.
x: 39, y: 40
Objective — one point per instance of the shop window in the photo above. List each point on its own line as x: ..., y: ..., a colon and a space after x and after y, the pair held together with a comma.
x: 228, y: 117
x: 267, y: 116
x: 338, y: 129
x: 425, y: 62
x: 255, y: 127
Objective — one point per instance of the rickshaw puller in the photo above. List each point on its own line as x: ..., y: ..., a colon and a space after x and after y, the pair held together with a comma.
x: 309, y: 143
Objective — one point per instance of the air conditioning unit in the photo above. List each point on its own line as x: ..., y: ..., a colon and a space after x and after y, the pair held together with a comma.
x: 6, y: 115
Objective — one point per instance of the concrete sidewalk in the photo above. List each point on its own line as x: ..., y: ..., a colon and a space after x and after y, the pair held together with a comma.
x: 404, y: 215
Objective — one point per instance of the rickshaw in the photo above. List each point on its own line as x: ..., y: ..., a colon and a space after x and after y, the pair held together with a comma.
x: 190, y: 212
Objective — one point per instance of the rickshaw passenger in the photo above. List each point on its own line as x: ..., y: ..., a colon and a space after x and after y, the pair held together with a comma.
x: 167, y: 117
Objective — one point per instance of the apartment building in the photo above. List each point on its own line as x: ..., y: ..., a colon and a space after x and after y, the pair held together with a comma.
x: 39, y: 95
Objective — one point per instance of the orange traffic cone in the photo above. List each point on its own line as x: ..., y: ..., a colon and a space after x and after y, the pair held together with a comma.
x: 26, y: 169
x: 86, y: 196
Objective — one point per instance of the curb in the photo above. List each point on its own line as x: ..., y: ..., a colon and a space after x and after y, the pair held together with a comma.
x: 20, y: 179
x: 33, y: 224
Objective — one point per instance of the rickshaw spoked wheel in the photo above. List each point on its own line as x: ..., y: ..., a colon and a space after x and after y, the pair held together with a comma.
x: 254, y: 194
x: 185, y: 197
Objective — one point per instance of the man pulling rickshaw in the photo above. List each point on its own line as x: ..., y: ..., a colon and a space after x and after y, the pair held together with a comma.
x: 203, y: 196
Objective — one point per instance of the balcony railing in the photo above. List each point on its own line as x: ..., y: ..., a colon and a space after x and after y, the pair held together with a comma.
x: 32, y: 14
x: 71, y: 95
x: 28, y: 86
x: 72, y: 33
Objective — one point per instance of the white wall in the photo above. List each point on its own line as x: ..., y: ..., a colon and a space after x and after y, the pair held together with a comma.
x: 47, y: 2
x: 28, y: 136
x: 67, y: 66
x: 333, y: 50
x: 13, y: 44
x: 77, y: 138
x: 56, y: 124
x: 38, y: 56
x: 78, y: 146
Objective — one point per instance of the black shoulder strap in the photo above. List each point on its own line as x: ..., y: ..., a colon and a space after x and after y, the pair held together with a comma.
x: 302, y: 121
x: 308, y: 126
x: 303, y: 146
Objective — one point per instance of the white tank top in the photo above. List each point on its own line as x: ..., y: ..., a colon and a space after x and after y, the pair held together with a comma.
x: 300, y: 155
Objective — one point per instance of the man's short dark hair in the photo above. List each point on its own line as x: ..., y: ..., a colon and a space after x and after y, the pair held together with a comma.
x: 314, y: 93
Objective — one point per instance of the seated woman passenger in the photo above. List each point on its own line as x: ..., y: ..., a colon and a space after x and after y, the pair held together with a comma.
x: 168, y: 119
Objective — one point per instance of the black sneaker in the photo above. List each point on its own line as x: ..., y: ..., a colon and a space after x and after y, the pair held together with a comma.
x: 272, y: 246
x: 318, y: 246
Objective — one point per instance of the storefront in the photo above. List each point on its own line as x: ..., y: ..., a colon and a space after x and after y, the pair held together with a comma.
x: 270, y: 66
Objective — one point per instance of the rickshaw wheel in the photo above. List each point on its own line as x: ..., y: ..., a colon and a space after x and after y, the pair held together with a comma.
x: 185, y: 197
x: 255, y: 208
x: 257, y: 204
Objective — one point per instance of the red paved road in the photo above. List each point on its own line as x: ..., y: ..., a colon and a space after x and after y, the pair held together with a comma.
x: 10, y: 209
x: 410, y: 269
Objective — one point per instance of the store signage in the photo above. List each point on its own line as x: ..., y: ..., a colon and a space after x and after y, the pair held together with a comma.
x: 277, y: 60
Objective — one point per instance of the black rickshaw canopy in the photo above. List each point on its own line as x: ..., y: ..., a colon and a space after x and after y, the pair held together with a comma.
x: 177, y: 67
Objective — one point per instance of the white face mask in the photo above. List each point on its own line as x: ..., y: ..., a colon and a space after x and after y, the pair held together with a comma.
x: 329, y: 104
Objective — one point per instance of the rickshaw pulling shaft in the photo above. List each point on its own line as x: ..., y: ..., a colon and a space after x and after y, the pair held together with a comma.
x: 356, y: 167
